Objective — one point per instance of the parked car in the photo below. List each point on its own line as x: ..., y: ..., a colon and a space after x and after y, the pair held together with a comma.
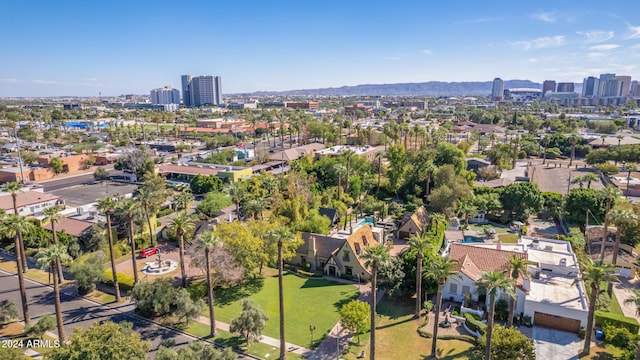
x: 148, y: 252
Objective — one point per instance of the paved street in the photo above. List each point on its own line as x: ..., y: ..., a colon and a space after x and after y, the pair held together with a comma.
x: 67, y: 180
x: 79, y: 312
x: 83, y: 194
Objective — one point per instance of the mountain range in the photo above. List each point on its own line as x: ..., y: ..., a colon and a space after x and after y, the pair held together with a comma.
x: 430, y: 88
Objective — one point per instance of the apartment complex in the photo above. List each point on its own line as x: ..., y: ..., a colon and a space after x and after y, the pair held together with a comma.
x: 201, y: 90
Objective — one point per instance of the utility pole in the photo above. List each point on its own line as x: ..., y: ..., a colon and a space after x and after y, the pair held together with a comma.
x: 15, y: 132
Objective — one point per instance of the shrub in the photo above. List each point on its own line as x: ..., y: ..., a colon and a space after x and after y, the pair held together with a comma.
x: 87, y: 271
x: 604, y: 319
x: 46, y: 323
x: 306, y: 266
x: 154, y: 298
x: 125, y: 282
x: 475, y: 325
x: 620, y: 337
x: 467, y: 338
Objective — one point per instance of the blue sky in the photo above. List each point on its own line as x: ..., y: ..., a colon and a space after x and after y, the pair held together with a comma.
x: 51, y: 48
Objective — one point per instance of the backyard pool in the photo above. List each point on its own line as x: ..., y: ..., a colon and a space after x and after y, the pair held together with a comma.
x: 471, y: 239
x: 365, y: 221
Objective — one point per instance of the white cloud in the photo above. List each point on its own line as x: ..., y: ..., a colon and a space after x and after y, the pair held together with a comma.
x: 596, y: 55
x: 43, y: 82
x: 541, y: 42
x: 12, y: 81
x: 549, y: 17
x: 427, y: 52
x: 635, y: 32
x: 595, y: 36
x: 604, y: 47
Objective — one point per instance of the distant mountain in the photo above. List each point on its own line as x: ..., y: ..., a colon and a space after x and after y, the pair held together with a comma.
x: 431, y: 88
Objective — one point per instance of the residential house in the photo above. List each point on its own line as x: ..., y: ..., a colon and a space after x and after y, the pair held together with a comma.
x: 29, y: 202
x: 73, y: 227
x: 330, y: 213
x: 413, y: 223
x: 339, y: 254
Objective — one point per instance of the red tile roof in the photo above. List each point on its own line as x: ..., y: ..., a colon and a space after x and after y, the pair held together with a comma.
x: 474, y: 260
x: 72, y: 227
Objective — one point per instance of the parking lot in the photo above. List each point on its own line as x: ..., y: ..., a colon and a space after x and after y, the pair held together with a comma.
x: 80, y: 195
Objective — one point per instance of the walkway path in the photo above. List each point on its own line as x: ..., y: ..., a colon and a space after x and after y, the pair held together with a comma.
x: 264, y: 339
x: 334, y: 343
x: 621, y: 289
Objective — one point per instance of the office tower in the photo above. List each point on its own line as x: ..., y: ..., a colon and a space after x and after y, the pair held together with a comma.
x: 497, y: 92
x: 625, y: 84
x: 201, y: 90
x: 590, y: 87
x: 186, y: 96
x: 548, y: 86
x: 634, y: 89
x: 566, y: 87
x: 608, y: 85
x: 165, y: 95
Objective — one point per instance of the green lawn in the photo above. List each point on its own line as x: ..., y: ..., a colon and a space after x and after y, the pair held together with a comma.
x: 225, y: 338
x: 307, y: 302
x: 508, y: 238
x: 499, y: 228
x: 614, y: 306
x: 396, y: 334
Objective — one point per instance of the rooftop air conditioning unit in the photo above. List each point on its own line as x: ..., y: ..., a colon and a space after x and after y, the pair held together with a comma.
x: 80, y: 211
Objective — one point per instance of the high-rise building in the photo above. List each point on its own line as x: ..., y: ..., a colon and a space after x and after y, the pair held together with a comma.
x: 186, y: 96
x: 548, y: 86
x: 165, y: 95
x: 590, y: 87
x: 625, y: 85
x: 634, y: 90
x: 201, y: 90
x: 566, y: 87
x: 608, y: 85
x: 497, y: 93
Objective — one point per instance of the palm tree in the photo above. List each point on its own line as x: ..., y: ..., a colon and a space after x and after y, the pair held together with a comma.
x: 14, y: 188
x: 517, y: 268
x: 14, y: 226
x: 107, y: 205
x: 340, y: 170
x: 594, y: 273
x: 589, y: 178
x: 181, y: 224
x: 491, y: 283
x: 206, y: 243
x: 620, y: 217
x: 573, y: 139
x: 421, y: 243
x: 237, y: 193
x: 634, y: 299
x: 580, y: 180
x: 52, y: 215
x: 379, y: 157
x: 438, y: 218
x: 147, y: 199
x: 374, y: 258
x: 545, y: 142
x: 348, y: 154
x: 51, y: 257
x: 629, y: 168
x: 281, y: 235
x: 609, y: 193
x: 440, y: 269
x: 182, y: 200
x: 131, y: 209
x: 255, y: 207
x: 429, y: 168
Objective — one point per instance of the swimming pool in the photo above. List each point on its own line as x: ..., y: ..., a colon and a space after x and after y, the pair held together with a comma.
x: 471, y: 239
x: 365, y: 221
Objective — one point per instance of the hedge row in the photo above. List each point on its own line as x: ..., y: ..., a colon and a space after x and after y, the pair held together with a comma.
x: 467, y: 338
x: 475, y: 325
x: 604, y: 319
x: 125, y: 282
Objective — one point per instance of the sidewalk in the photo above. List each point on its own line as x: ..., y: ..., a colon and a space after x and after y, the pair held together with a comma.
x: 621, y: 289
x: 264, y: 339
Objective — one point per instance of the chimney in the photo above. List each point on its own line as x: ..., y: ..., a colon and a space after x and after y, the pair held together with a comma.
x: 499, y: 245
x: 311, y: 250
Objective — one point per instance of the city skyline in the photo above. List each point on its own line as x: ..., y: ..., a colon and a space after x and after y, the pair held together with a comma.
x: 83, y: 49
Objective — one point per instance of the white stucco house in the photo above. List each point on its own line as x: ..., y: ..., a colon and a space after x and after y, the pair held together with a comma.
x: 550, y: 295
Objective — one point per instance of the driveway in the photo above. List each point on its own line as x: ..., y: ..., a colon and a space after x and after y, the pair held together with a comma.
x: 556, y: 344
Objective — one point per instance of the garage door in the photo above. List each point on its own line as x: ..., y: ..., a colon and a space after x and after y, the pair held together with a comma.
x: 556, y: 322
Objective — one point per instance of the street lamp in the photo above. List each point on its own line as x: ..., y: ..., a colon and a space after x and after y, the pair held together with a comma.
x: 311, y: 330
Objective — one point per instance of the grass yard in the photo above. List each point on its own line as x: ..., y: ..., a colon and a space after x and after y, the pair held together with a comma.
x: 33, y: 273
x: 500, y: 229
x: 101, y: 297
x: 307, y: 302
x: 614, y: 306
x: 606, y: 352
x: 226, y: 338
x: 15, y: 331
x: 508, y: 238
x: 397, y: 336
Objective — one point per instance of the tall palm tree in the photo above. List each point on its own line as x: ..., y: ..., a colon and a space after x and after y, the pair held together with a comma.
x: 255, y: 207
x: 593, y: 274
x: 545, y: 142
x: 491, y: 283
x: 147, y: 199
x: 131, y: 209
x: 429, y: 168
x: 517, y: 268
x: 609, y: 193
x: 440, y: 269
x: 181, y: 224
x: 340, y: 170
x: 620, y: 217
x: 282, y: 235
x: 107, y: 205
x: 348, y: 155
x: 421, y: 243
x: 51, y: 257
x: 580, y: 180
x: 379, y: 157
x: 374, y: 258
x: 14, y: 226
x: 437, y: 219
x: 206, y: 243
x: 14, y: 188
x: 629, y: 168
x: 589, y: 178
x: 52, y: 215
x: 573, y: 139
x: 237, y: 193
